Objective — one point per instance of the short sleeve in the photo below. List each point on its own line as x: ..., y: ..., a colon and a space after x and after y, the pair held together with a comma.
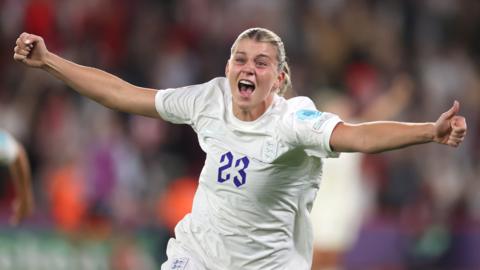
x: 182, y: 105
x: 313, y: 129
x: 8, y: 148
x: 176, y: 104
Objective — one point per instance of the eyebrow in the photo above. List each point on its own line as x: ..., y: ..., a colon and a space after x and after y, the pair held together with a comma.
x: 262, y: 55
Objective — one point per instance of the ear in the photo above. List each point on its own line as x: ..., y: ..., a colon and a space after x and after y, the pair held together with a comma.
x: 279, y: 81
x: 227, y: 67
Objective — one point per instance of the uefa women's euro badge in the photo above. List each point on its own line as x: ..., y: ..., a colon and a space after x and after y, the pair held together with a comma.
x: 307, y: 114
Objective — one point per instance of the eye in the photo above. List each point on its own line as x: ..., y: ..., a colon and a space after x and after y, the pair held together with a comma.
x: 261, y: 63
x: 239, y: 60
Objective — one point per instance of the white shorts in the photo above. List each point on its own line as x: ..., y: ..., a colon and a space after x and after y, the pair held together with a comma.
x: 180, y: 259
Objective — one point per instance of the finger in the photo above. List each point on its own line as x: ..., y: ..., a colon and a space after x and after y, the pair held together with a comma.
x: 453, y: 143
x: 458, y: 136
x: 21, y: 45
x: 23, y: 35
x: 460, y: 122
x: 21, y: 51
x: 19, y: 57
x: 452, y: 111
x: 30, y: 39
x: 455, y: 139
x: 459, y: 132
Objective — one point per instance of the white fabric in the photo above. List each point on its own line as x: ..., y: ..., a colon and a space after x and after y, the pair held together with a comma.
x: 336, y: 220
x: 260, y: 178
x: 8, y: 148
x: 179, y: 258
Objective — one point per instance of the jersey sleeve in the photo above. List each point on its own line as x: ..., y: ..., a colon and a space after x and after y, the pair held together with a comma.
x: 183, y: 105
x: 8, y: 148
x: 312, y: 129
x: 177, y: 105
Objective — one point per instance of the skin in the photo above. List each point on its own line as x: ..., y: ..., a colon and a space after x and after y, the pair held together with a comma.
x: 256, y: 62
x: 23, y: 203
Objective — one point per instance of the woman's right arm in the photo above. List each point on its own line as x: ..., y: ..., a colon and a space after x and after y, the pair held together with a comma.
x: 93, y: 83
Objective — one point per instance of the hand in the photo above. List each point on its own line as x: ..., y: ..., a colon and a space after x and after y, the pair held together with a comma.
x: 22, y: 207
x: 450, y: 128
x: 30, y: 50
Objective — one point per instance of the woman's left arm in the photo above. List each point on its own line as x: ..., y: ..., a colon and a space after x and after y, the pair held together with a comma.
x: 23, y: 204
x: 374, y: 137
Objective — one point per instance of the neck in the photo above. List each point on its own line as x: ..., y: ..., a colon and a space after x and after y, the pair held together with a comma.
x: 251, y: 113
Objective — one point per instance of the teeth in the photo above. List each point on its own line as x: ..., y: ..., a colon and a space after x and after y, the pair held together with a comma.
x: 246, y: 82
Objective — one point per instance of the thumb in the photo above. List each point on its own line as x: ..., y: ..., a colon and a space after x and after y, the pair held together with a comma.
x: 452, y: 111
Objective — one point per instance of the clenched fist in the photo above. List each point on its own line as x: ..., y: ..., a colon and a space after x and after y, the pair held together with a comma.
x: 30, y: 50
x: 451, y: 128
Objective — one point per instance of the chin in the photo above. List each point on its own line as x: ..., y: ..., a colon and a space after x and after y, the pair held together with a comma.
x: 242, y: 103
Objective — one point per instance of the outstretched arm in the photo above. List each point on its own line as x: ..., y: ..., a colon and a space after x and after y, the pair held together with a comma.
x: 374, y: 137
x: 93, y: 83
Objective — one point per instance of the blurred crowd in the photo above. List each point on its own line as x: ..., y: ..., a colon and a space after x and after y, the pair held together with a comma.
x: 104, y: 173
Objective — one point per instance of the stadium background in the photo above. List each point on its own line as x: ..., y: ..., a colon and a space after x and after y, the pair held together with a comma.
x: 110, y: 186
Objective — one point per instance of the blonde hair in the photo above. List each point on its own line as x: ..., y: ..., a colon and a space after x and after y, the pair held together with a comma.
x: 264, y: 35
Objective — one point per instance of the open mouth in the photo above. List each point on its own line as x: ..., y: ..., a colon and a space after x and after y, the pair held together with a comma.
x: 246, y: 88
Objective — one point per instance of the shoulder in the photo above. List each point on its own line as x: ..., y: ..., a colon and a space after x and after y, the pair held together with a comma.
x: 289, y: 112
x: 215, y: 84
x: 8, y: 147
x: 192, y: 95
x: 300, y: 108
x: 300, y: 102
x: 301, y: 116
x: 211, y: 92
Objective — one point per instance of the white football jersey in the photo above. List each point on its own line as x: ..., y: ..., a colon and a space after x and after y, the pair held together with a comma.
x: 8, y: 148
x: 259, y: 181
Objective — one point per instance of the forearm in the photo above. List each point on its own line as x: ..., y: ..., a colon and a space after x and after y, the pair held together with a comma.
x: 20, y: 171
x: 90, y: 82
x: 102, y: 87
x: 374, y: 137
x: 93, y: 83
x: 384, y: 136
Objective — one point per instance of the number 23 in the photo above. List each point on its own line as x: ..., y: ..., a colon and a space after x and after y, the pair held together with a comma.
x: 241, y: 165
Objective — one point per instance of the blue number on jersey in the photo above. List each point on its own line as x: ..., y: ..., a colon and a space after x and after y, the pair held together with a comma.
x: 240, y: 164
x: 221, y: 177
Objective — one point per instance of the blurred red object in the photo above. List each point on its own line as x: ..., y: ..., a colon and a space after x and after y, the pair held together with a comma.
x: 177, y: 201
x: 39, y: 18
x: 67, y: 197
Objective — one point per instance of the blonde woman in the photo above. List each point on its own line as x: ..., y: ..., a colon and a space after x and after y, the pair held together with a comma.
x: 263, y: 152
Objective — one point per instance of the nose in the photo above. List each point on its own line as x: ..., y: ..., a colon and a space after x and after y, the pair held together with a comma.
x: 248, y: 68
